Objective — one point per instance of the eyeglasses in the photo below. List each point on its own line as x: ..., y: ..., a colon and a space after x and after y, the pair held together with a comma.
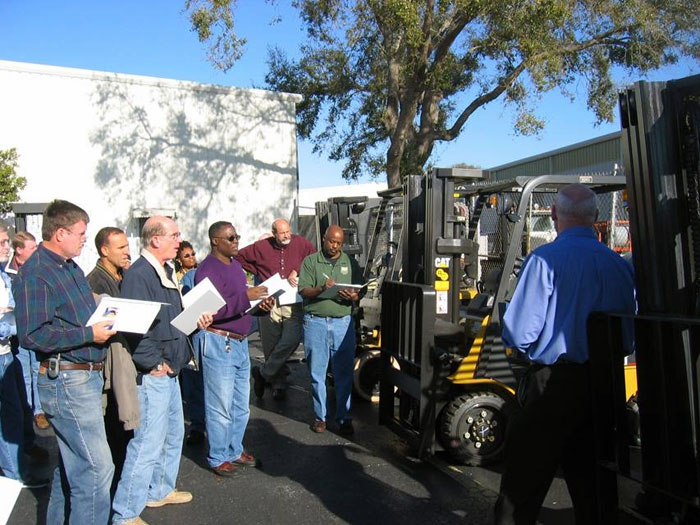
x: 230, y: 238
x: 174, y: 236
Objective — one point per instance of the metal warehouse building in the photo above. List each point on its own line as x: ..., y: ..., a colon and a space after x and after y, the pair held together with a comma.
x: 601, y: 154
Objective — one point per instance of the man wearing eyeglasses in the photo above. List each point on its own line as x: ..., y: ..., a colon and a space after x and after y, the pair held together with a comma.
x: 223, y: 348
x: 54, y: 303
x: 280, y: 331
x: 153, y: 455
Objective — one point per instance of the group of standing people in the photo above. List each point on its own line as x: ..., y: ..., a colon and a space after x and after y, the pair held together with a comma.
x: 51, y: 300
x: 48, y: 304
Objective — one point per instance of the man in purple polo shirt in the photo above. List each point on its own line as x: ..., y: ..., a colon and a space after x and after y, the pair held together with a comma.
x: 281, y: 330
x: 224, y: 353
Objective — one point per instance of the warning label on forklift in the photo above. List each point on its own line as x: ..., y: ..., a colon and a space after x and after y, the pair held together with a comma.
x: 441, y: 302
x: 442, y: 280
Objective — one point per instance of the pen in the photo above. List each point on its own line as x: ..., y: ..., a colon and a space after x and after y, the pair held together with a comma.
x: 325, y: 276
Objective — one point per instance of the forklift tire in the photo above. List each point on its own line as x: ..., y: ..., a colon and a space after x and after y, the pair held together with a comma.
x: 473, y: 427
x: 365, y: 378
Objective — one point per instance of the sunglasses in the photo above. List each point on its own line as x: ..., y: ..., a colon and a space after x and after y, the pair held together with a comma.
x: 188, y: 255
x: 230, y: 238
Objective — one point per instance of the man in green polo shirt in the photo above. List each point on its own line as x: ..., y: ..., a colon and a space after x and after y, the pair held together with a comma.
x: 329, y: 333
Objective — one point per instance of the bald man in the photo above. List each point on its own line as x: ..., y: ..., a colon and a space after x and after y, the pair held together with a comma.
x: 281, y: 252
x: 153, y: 455
x: 329, y: 332
x: 559, y: 286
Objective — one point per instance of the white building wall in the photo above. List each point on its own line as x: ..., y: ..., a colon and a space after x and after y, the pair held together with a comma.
x: 121, y: 145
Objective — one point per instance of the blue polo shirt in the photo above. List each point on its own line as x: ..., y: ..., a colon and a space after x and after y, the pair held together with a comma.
x: 560, y: 285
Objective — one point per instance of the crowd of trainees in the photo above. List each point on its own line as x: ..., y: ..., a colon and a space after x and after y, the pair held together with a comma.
x: 113, y: 464
x: 559, y: 285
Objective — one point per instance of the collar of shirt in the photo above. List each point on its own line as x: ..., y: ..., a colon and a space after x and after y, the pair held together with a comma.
x: 166, y: 281
x: 578, y: 231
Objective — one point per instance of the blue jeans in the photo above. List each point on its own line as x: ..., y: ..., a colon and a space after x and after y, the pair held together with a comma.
x: 193, y: 391
x: 11, y: 417
x: 226, y: 394
x: 30, y: 373
x: 73, y: 405
x: 153, y: 455
x: 330, y: 338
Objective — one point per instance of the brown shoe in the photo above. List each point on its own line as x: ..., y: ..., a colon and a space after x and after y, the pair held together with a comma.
x: 247, y: 460
x: 318, y: 426
x: 41, y: 422
x: 174, y: 498
x: 227, y: 470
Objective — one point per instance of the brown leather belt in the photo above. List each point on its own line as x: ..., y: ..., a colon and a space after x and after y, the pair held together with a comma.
x: 67, y: 365
x: 224, y: 333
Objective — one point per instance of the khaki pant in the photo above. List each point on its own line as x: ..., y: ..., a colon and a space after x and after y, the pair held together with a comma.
x: 281, y: 333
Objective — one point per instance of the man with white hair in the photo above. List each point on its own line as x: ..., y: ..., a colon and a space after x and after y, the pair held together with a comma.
x: 560, y: 285
x: 153, y: 455
x: 281, y: 331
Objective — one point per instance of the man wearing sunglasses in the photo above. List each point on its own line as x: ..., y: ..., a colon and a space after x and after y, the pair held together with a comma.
x: 223, y: 348
x: 280, y: 331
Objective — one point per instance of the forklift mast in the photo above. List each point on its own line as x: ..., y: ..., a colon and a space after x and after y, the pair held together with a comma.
x: 436, y: 236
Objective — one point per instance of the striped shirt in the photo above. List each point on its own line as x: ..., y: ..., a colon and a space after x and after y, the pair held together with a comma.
x: 53, y: 303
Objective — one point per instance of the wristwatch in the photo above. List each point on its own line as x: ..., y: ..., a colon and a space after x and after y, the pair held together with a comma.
x: 159, y: 367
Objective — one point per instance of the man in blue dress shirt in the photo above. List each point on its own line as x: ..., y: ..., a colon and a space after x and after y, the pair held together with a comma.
x: 560, y: 285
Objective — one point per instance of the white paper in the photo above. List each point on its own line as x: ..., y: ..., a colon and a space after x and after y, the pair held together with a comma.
x: 203, y: 298
x: 129, y: 315
x: 9, y: 492
x: 275, y: 286
x: 332, y: 292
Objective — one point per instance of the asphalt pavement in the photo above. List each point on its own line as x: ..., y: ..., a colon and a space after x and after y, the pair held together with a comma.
x: 325, y: 478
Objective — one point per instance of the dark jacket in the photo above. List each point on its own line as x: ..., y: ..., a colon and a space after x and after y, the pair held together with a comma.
x: 101, y: 281
x: 163, y: 342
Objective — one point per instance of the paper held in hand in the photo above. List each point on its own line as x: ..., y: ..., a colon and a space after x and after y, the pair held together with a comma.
x: 332, y: 292
x: 279, y: 288
x: 129, y: 315
x: 203, y: 298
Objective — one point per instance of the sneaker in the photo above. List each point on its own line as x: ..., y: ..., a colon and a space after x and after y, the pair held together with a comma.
x: 226, y: 470
x: 346, y: 428
x: 258, y: 382
x: 41, y: 422
x: 247, y: 460
x: 318, y: 426
x: 31, y: 482
x: 174, y: 498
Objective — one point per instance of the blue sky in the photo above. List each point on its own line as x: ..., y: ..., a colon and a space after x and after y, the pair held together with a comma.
x: 152, y: 37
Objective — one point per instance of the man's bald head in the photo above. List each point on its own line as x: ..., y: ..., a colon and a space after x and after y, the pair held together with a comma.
x: 574, y: 205
x: 282, y: 232
x: 333, y: 241
x: 161, y: 237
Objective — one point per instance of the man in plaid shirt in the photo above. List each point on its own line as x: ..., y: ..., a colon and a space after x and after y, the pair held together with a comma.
x: 53, y: 304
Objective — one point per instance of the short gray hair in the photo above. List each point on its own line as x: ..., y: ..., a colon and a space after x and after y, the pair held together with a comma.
x: 151, y: 228
x: 585, y: 207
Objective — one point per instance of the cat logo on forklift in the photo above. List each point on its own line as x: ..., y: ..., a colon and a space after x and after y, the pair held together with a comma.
x: 442, y: 274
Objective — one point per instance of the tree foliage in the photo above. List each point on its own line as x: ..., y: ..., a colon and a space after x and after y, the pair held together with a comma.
x: 10, y: 183
x: 384, y: 80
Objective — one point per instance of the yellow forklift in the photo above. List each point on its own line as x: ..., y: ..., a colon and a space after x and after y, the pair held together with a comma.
x: 447, y: 382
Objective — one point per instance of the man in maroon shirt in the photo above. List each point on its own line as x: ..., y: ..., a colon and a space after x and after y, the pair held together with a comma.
x: 224, y: 350
x: 280, y: 331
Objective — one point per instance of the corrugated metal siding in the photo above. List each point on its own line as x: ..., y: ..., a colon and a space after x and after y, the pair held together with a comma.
x: 597, y: 155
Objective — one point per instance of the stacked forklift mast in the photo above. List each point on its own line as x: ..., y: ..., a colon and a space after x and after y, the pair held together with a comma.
x: 661, y: 152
